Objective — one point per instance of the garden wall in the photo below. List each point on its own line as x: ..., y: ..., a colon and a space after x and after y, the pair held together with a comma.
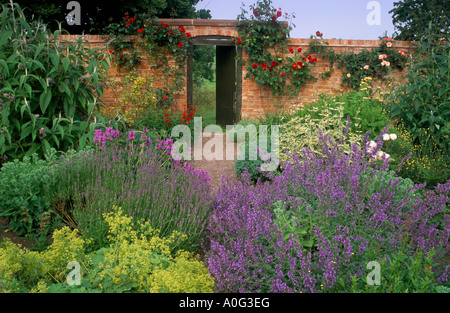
x: 255, y: 99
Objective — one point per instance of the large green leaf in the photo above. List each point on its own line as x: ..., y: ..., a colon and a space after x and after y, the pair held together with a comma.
x: 44, y: 100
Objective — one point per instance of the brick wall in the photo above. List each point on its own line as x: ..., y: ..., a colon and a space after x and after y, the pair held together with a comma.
x: 255, y: 98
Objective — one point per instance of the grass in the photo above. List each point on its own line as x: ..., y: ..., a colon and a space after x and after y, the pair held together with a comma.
x: 205, y: 100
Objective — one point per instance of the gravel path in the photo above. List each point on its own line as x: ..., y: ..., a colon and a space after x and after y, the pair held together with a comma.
x: 217, y: 165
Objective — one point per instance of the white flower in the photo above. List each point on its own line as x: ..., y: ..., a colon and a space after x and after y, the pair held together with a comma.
x: 372, y: 144
x: 382, y: 155
x: 393, y: 136
x: 389, y: 44
x: 386, y: 137
x: 366, y: 67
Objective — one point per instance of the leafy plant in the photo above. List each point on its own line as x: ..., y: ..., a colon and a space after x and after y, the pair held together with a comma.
x: 271, y: 63
x: 302, y: 132
x: 161, y: 43
x: 171, y: 194
x: 49, y: 87
x: 135, y: 259
x: 355, y: 66
x: 423, y: 103
x: 23, y: 193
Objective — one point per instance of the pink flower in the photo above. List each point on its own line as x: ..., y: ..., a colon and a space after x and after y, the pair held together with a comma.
x: 366, y: 67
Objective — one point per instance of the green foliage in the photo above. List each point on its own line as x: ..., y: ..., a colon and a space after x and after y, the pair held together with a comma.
x: 423, y: 163
x: 136, y: 259
x: 49, y: 87
x: 401, y: 272
x: 291, y: 223
x: 304, y: 131
x: 270, y: 62
x: 101, y: 14
x: 366, y: 111
x: 355, y: 66
x: 166, y: 48
x: 422, y: 104
x: 22, y: 190
x: 203, y: 62
x: 411, y: 18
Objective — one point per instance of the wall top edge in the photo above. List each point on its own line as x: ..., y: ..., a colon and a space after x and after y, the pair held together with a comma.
x: 292, y: 41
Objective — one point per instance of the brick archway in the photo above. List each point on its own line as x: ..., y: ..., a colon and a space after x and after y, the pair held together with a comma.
x: 228, y: 77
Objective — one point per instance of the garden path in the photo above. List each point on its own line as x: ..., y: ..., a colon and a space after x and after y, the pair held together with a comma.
x: 217, y: 165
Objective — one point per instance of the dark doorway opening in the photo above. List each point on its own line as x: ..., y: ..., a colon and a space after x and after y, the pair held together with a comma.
x: 228, y: 78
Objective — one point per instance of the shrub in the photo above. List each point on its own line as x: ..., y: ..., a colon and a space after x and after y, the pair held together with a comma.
x: 136, y: 97
x: 144, y: 180
x: 49, y: 87
x: 23, y: 193
x: 303, y: 131
x: 425, y: 163
x: 136, y: 259
x: 422, y: 103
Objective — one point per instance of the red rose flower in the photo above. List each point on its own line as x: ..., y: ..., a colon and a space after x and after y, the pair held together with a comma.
x: 279, y: 13
x: 299, y: 50
x: 165, y: 98
x: 283, y: 74
x: 180, y: 45
x: 170, y: 32
x: 121, y: 56
x: 140, y: 30
x: 274, y: 63
x: 291, y: 50
x: 127, y: 24
x: 239, y: 42
x: 131, y: 19
x: 255, y: 65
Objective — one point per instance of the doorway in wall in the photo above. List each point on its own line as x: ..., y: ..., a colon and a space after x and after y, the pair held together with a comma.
x: 227, y: 82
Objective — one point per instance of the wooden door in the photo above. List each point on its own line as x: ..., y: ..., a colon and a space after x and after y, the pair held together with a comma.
x: 225, y: 85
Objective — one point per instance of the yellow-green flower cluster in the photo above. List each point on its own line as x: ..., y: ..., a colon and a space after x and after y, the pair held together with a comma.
x: 20, y: 267
x: 136, y: 256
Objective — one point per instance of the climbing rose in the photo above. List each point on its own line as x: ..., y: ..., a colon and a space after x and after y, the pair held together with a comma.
x: 255, y: 65
x: 283, y: 74
x: 299, y: 50
x: 180, y: 45
x: 279, y: 13
x: 140, y: 30
x: 274, y: 63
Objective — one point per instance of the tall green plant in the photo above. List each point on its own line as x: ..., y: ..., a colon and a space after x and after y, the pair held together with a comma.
x: 48, y: 86
x: 423, y: 103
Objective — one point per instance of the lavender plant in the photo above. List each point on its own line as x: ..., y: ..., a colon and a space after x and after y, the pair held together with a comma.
x: 350, y: 207
x: 172, y: 196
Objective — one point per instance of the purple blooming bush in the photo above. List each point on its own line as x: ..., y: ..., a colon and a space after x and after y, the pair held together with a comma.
x: 139, y: 177
x: 315, y: 227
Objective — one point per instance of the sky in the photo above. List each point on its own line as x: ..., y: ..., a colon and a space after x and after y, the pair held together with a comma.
x: 339, y: 19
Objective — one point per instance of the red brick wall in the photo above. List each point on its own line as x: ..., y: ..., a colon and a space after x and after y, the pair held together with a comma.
x: 255, y: 99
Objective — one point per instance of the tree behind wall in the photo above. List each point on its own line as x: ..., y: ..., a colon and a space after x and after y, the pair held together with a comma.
x: 97, y: 14
x: 412, y: 17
